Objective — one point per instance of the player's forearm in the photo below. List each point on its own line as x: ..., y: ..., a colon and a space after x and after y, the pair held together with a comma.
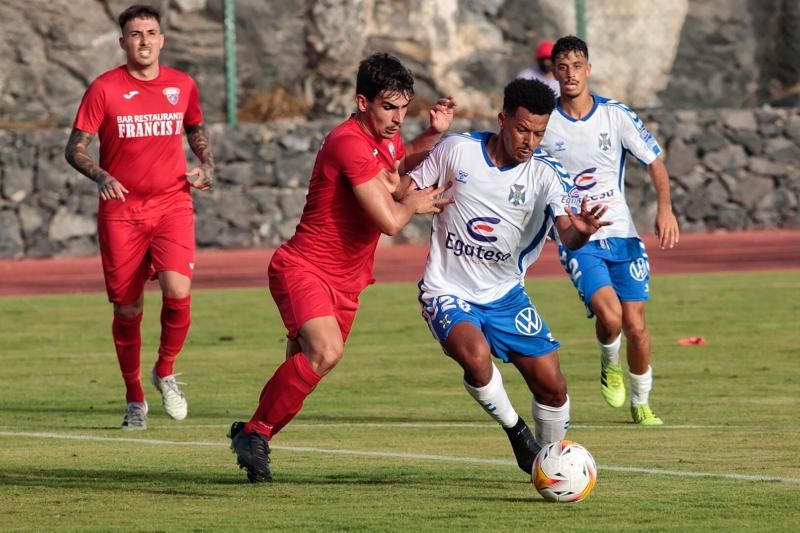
x: 77, y: 155
x: 419, y: 149
x: 197, y: 137
x: 572, y: 238
x: 660, y: 178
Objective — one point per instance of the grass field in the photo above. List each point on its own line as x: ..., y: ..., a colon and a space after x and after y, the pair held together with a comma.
x: 390, y: 440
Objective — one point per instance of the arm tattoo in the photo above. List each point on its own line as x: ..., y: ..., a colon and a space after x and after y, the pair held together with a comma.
x: 197, y: 136
x: 77, y: 155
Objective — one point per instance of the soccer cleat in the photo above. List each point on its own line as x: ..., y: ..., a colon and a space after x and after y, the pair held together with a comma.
x: 644, y: 416
x: 611, y: 384
x: 252, y: 453
x: 171, y: 396
x: 135, y: 416
x: 524, y: 445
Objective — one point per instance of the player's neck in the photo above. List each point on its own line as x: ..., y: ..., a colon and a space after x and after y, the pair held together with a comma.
x: 577, y: 107
x: 147, y: 73
x: 365, y: 128
x: 495, y: 152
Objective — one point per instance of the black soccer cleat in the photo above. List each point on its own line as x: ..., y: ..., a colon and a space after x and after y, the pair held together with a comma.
x: 524, y: 445
x: 252, y: 453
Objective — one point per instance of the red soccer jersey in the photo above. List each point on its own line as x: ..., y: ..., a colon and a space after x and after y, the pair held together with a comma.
x: 140, y: 126
x: 335, y: 233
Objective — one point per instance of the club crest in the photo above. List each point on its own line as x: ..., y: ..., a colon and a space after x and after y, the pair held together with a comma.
x: 517, y: 195
x: 604, y: 141
x: 172, y: 94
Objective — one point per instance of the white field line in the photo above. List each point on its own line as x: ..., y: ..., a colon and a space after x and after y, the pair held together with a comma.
x: 395, y: 455
x: 478, y: 425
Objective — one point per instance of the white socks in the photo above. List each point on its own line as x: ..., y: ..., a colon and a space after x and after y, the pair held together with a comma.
x: 551, y: 422
x: 609, y: 353
x: 494, y: 400
x: 640, y: 387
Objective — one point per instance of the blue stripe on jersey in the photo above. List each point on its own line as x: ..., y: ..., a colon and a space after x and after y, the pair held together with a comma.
x: 567, y: 183
x: 597, y: 100
x: 548, y: 215
x: 621, y: 171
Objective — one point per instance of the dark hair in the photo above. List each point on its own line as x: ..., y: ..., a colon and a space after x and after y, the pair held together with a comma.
x: 533, y: 95
x: 568, y: 44
x: 383, y: 72
x: 138, y: 11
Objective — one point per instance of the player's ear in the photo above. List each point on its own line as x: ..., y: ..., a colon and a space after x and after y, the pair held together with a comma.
x: 361, y: 103
x: 501, y: 118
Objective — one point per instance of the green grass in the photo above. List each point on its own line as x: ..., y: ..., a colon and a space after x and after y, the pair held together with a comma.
x: 731, y: 409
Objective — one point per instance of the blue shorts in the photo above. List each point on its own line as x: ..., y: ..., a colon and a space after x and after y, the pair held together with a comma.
x: 511, y: 324
x: 621, y: 264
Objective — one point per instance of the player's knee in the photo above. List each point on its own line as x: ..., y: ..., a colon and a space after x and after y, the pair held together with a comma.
x: 636, y: 331
x: 325, y: 356
x: 610, y: 322
x: 476, y: 362
x: 128, y: 311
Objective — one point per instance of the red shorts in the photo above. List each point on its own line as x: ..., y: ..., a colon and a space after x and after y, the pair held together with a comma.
x: 302, y: 292
x: 134, y: 251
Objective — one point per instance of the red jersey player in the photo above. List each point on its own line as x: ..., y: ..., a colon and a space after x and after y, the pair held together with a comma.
x: 316, y: 277
x: 145, y: 221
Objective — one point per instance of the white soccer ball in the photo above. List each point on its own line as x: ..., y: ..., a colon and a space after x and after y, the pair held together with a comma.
x: 564, y: 471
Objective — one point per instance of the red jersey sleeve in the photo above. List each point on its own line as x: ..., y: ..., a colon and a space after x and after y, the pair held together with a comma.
x: 194, y: 113
x: 356, y: 159
x: 91, y: 112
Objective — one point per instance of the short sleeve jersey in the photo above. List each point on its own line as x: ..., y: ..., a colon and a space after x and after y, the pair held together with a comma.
x: 335, y: 233
x: 593, y: 151
x: 483, y: 243
x: 140, y: 127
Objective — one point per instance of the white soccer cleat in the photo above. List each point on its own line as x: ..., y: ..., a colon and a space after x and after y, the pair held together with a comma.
x: 135, y: 416
x: 171, y: 396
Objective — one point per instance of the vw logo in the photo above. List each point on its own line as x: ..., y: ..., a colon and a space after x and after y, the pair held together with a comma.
x: 528, y: 322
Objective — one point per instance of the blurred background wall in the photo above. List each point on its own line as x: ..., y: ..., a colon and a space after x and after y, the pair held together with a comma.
x: 718, y: 81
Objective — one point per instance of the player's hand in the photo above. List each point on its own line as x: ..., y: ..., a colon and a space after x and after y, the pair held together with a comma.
x: 429, y: 199
x: 201, y: 177
x: 441, y: 114
x: 666, y: 229
x: 110, y: 189
x: 587, y: 220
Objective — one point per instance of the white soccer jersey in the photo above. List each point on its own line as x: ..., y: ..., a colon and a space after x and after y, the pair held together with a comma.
x: 593, y: 151
x: 482, y: 244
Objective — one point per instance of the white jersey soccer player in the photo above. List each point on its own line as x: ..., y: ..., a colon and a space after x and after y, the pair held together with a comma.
x: 484, y: 242
x: 592, y: 136
x: 593, y: 151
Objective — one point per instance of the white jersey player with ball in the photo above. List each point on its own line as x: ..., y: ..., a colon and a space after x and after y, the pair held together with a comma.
x: 507, y: 196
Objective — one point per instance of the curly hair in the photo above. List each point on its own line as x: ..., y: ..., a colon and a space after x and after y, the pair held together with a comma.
x: 383, y: 72
x: 533, y: 95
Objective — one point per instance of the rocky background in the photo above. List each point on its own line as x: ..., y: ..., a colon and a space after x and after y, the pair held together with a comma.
x: 717, y: 80
x: 298, y: 57
x: 731, y: 170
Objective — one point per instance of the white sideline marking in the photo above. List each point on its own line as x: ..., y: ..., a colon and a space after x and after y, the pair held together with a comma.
x: 397, y: 455
x: 477, y: 425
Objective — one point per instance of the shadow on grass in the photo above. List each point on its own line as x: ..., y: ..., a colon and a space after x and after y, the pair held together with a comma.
x: 180, y: 483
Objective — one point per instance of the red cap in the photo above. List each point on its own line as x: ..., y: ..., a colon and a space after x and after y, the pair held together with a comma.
x: 544, y: 50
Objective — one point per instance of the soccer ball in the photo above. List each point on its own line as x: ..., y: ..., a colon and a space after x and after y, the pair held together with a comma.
x: 564, y: 471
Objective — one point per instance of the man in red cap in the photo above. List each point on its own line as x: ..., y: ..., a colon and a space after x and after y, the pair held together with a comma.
x: 543, y: 70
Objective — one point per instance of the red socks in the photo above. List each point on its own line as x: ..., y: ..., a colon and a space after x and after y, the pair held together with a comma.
x: 128, y: 342
x: 283, y: 396
x: 175, y: 321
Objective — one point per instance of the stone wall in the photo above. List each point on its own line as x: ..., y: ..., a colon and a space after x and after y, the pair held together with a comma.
x: 298, y: 57
x: 731, y: 170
